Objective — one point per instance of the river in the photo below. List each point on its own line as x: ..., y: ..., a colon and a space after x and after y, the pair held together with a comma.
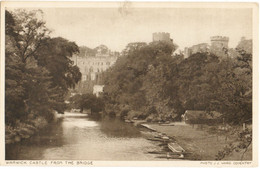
x: 76, y: 137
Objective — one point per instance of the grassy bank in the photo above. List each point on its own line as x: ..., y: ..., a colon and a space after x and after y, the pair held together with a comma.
x: 200, y: 142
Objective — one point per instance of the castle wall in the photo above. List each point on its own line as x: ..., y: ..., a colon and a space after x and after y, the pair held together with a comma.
x: 91, y: 69
x: 161, y: 36
x: 219, y: 46
x: 219, y: 42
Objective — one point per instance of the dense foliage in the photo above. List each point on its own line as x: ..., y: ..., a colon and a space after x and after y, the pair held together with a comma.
x: 159, y: 86
x: 39, y: 71
x: 88, y: 103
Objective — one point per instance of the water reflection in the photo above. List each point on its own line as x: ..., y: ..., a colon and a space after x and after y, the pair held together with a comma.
x: 75, y: 137
x: 33, y: 147
x: 117, y: 128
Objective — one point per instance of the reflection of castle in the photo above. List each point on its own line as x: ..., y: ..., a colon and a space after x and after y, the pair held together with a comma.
x: 92, y: 67
x: 219, y: 45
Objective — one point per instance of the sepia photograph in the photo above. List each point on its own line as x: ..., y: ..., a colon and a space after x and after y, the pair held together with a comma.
x: 166, y: 83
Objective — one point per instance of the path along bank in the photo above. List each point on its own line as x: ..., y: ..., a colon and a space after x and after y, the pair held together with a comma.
x: 197, y: 141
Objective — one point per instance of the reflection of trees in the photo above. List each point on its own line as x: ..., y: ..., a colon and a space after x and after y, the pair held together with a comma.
x: 51, y: 136
x: 33, y: 148
x: 118, y: 128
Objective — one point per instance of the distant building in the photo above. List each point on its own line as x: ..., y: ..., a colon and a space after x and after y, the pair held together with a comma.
x: 92, y: 66
x: 219, y: 47
x: 199, y: 48
x: 187, y: 52
x: 200, y: 117
x: 98, y: 89
x: 246, y: 45
x: 219, y: 42
x: 161, y: 36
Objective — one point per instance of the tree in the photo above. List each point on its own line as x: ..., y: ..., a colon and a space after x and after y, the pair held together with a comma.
x: 55, y: 57
x: 235, y: 90
x: 88, y: 101
x: 31, y: 32
x: 39, y: 71
x: 125, y: 83
x: 14, y: 91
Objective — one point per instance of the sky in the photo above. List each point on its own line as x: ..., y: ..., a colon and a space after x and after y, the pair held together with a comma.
x: 110, y: 26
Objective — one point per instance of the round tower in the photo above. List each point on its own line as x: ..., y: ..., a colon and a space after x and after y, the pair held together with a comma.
x: 219, y: 42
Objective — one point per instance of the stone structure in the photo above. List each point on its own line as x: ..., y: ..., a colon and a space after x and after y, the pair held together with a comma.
x: 92, y: 67
x: 219, y: 46
x: 219, y: 42
x: 246, y: 45
x: 161, y: 36
x: 98, y: 89
x: 199, y: 48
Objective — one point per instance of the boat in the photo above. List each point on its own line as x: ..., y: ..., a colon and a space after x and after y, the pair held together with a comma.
x: 165, y: 137
x: 155, y: 139
x: 128, y: 121
x: 156, y: 152
x: 148, y: 127
x: 166, y: 124
x: 175, y: 148
x: 167, y: 156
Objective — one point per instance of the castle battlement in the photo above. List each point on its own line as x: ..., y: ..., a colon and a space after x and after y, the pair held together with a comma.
x: 219, y: 38
x: 161, y: 36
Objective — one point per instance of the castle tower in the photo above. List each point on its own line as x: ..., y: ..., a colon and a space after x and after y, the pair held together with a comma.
x: 161, y: 36
x: 219, y: 42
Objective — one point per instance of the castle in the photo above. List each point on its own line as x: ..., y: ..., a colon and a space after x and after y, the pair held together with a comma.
x: 219, y: 46
x: 219, y: 42
x: 162, y: 36
x: 92, y: 67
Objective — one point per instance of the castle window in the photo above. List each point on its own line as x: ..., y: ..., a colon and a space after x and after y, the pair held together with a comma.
x: 91, y: 69
x: 84, y: 77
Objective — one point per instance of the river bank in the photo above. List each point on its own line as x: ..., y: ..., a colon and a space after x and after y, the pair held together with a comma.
x: 26, y: 129
x: 23, y: 130
x: 198, y: 142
